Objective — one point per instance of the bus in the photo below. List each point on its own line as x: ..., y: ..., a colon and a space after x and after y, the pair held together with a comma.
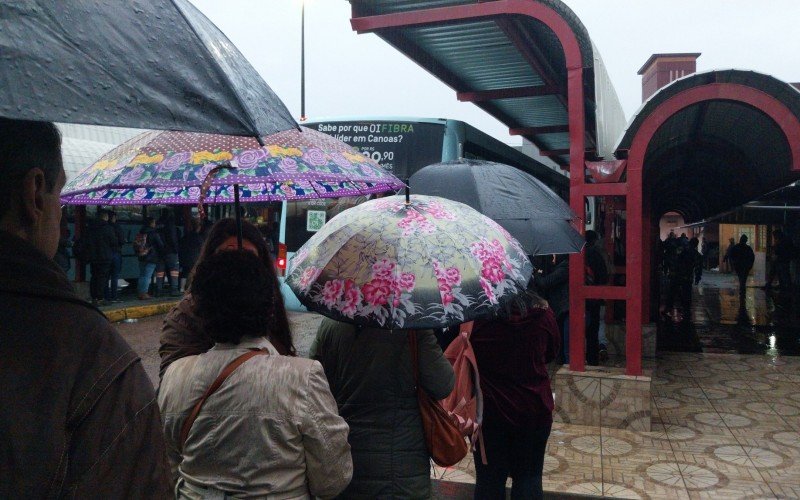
x: 402, y: 146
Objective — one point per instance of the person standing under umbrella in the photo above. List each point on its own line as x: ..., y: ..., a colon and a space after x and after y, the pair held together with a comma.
x: 99, y: 251
x: 116, y: 259
x: 168, y: 265
x: 189, y: 250
x: 79, y: 417
x: 555, y: 288
x: 371, y: 376
x: 272, y: 430
x: 148, y: 247
x: 513, y: 350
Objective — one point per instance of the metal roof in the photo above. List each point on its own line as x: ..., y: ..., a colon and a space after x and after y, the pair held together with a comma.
x: 715, y: 155
x: 512, y: 66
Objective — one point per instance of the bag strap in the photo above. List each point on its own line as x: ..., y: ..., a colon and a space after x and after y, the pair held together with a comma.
x: 233, y: 365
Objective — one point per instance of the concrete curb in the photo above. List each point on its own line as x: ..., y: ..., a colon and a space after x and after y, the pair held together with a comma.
x: 143, y: 311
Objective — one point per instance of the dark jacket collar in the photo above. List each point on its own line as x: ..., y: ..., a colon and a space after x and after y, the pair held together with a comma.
x: 27, y: 271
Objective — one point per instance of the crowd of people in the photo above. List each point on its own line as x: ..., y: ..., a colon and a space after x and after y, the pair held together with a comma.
x: 82, y: 420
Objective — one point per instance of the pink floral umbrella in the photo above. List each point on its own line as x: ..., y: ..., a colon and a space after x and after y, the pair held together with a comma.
x: 423, y: 263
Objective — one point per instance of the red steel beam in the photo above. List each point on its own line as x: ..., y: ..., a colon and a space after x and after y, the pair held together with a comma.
x: 548, y: 129
x: 509, y: 93
x: 605, y: 189
x: 607, y: 292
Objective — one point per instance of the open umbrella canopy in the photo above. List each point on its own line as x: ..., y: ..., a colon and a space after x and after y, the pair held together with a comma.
x: 169, y: 167
x: 151, y: 64
x: 529, y: 210
x: 426, y: 263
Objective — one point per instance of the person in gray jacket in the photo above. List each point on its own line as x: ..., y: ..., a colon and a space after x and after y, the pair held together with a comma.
x: 271, y: 430
x: 370, y: 375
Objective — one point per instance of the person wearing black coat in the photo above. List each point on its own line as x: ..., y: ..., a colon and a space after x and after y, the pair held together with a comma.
x: 100, y: 244
x: 189, y: 249
x: 598, y: 276
x: 742, y: 258
x: 149, y: 261
x: 554, y: 287
x: 169, y: 254
x: 110, y: 291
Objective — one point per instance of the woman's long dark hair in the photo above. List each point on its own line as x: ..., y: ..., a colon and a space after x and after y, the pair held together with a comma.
x: 521, y: 305
x: 226, y: 228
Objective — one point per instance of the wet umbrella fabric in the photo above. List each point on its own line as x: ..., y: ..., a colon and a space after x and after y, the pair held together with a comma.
x: 151, y: 64
x: 161, y: 167
x: 426, y: 264
x: 541, y: 221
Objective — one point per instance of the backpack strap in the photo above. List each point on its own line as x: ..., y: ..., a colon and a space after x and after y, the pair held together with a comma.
x: 233, y: 365
x: 476, y: 440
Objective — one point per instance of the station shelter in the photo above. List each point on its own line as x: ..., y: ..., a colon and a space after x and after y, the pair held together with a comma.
x: 700, y: 145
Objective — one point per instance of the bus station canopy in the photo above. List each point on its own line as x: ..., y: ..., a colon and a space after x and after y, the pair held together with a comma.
x: 509, y: 64
x: 715, y: 154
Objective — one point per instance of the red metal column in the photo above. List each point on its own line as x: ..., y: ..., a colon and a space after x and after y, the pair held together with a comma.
x: 577, y: 301
x: 633, y: 272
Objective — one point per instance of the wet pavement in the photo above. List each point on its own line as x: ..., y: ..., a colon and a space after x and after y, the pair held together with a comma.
x: 720, y: 322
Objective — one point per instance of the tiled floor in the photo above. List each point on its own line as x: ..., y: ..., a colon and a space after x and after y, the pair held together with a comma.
x: 724, y: 426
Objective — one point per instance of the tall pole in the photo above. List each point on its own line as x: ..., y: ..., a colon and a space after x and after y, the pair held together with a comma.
x: 303, y: 61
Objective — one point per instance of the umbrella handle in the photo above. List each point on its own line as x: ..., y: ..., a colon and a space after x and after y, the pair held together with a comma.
x: 238, y: 215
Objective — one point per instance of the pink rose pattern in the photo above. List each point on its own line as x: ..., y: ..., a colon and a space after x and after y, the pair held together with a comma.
x: 386, y: 289
x: 494, y: 265
x: 447, y: 280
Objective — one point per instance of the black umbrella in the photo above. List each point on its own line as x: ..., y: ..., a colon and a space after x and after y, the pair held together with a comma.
x: 154, y: 64
x: 529, y: 210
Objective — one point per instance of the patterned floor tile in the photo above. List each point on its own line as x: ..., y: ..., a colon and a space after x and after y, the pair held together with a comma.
x: 729, y: 461
x: 785, y: 490
x: 736, y: 489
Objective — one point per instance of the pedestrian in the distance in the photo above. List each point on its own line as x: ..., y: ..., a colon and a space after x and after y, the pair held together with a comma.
x: 597, y: 275
x: 783, y: 252
x: 272, y: 429
x: 726, y: 260
x: 99, y: 249
x: 111, y: 288
x: 371, y: 376
x: 513, y: 350
x: 148, y: 247
x: 554, y: 287
x: 168, y: 263
x: 189, y: 250
x: 742, y: 258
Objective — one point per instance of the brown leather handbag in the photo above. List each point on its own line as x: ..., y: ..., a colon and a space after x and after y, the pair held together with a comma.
x: 233, y: 365
x: 446, y: 445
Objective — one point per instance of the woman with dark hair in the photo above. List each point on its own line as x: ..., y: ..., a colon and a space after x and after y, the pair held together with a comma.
x: 272, y: 430
x: 513, y: 350
x: 183, y: 335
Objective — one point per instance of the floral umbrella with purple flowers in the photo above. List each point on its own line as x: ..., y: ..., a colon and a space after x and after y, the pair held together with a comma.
x: 168, y: 167
x: 398, y: 263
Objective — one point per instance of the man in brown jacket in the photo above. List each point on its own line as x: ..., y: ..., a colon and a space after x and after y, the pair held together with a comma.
x: 78, y: 416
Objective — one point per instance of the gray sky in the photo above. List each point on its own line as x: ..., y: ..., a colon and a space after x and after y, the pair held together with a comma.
x: 360, y: 75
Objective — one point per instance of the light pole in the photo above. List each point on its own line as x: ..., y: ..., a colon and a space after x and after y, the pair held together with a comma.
x: 302, y: 60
